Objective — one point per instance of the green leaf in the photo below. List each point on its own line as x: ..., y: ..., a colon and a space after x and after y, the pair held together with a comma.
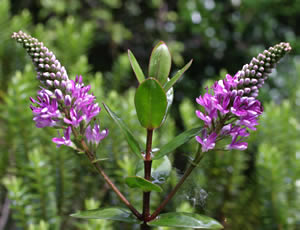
x: 117, y: 214
x: 179, y: 73
x: 141, y: 183
x: 185, y: 220
x: 177, y: 141
x: 160, y: 63
x: 160, y: 171
x: 132, y: 142
x: 136, y: 67
x: 150, y: 103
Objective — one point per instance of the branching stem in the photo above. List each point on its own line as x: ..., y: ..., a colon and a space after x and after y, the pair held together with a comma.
x: 91, y: 157
x: 198, y: 157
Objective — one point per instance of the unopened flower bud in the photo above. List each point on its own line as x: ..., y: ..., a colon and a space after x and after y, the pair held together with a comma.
x: 68, y: 100
x: 58, y: 94
x: 247, y: 90
x: 240, y: 92
x: 254, y: 81
x: 247, y: 81
x: 56, y: 83
x: 49, y: 83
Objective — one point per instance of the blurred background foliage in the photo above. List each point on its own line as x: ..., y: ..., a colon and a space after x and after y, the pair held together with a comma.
x: 40, y: 185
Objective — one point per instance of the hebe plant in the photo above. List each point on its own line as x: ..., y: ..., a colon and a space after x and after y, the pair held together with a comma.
x: 228, y: 109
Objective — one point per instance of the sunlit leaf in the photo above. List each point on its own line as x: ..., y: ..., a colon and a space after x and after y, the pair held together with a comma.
x: 185, y: 220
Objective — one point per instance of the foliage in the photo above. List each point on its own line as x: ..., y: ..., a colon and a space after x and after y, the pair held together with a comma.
x: 256, y: 189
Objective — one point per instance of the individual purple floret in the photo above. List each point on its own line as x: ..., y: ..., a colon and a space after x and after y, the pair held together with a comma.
x: 61, y: 102
x: 95, y: 135
x: 65, y: 139
x: 230, y: 107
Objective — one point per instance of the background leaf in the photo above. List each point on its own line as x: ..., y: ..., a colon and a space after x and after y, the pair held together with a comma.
x: 142, y: 184
x: 177, y: 141
x: 160, y: 171
x: 116, y: 214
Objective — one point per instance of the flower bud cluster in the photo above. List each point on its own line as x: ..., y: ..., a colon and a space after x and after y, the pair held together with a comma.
x: 253, y: 75
x: 49, y: 70
x: 61, y: 102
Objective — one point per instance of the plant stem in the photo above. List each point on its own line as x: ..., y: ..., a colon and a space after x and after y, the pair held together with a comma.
x: 147, y: 171
x: 91, y: 157
x: 198, y: 157
x: 144, y: 226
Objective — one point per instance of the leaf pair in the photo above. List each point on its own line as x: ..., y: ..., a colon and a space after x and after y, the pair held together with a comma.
x: 172, y: 219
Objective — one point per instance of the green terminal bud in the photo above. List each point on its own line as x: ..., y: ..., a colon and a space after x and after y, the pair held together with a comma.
x: 160, y: 63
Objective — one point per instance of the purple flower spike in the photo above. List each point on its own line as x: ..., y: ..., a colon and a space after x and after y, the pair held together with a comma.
x: 94, y: 135
x: 232, y: 107
x: 61, y: 102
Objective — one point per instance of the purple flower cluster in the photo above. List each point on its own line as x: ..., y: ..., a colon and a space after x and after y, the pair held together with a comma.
x: 232, y: 108
x: 227, y: 114
x: 61, y: 102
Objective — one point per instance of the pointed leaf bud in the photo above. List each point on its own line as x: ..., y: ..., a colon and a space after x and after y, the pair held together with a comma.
x: 160, y: 63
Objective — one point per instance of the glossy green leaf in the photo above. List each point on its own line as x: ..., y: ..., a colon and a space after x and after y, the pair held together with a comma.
x: 136, y: 67
x: 175, y: 78
x: 160, y: 171
x: 142, y: 184
x: 185, y: 220
x: 117, y: 214
x: 150, y: 103
x: 132, y: 142
x: 177, y: 141
x: 160, y: 62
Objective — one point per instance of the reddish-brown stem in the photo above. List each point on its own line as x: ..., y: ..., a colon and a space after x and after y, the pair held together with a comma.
x: 178, y: 185
x: 91, y: 157
x: 147, y: 171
